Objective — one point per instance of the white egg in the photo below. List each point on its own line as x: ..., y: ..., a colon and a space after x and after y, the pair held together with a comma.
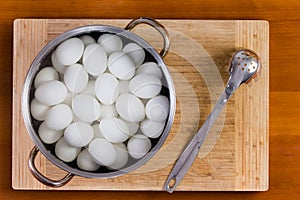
x: 70, y: 51
x: 57, y: 65
x: 97, y: 131
x: 136, y: 53
x: 145, y: 86
x: 59, y: 117
x: 51, y: 93
x: 102, y: 151
x: 49, y: 136
x: 150, y: 68
x: 86, y: 162
x: 66, y: 152
x: 89, y: 89
x: 110, y: 43
x: 46, y: 74
x: 87, y: 39
x: 114, y: 130
x: 108, y: 111
x: 78, y: 134
x: 152, y: 129
x: 107, y: 88
x: 157, y: 108
x: 124, y: 86
x: 69, y: 98
x: 86, y: 108
x: 38, y: 110
x: 76, y: 119
x: 132, y: 126
x: 94, y: 59
x: 138, y: 146
x: 122, y: 156
x: 121, y: 66
x: 130, y: 108
x: 76, y: 78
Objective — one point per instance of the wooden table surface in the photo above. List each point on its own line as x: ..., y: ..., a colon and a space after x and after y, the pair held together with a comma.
x: 284, y: 21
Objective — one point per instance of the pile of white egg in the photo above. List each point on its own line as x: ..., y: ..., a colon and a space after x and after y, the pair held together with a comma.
x: 99, y: 102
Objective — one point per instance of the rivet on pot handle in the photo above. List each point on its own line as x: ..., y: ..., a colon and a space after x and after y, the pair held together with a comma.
x: 40, y: 177
x: 158, y: 26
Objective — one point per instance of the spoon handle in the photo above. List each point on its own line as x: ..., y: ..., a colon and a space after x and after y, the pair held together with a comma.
x: 190, y: 153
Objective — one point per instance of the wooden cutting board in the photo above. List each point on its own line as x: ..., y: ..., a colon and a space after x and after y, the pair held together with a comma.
x: 235, y: 156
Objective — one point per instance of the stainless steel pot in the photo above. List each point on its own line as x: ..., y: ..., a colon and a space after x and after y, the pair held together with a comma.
x: 43, y: 58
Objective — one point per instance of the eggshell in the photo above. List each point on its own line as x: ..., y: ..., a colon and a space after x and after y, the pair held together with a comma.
x: 97, y: 131
x: 121, y: 66
x: 86, y: 162
x: 68, y: 100
x: 124, y: 86
x: 122, y: 156
x: 138, y: 146
x: 114, y: 130
x: 51, y: 93
x: 87, y: 39
x: 47, y: 135
x: 132, y: 126
x: 59, y: 117
x: 107, y: 88
x: 76, y: 78
x: 136, y: 53
x: 150, y: 68
x: 86, y: 108
x: 89, y: 89
x: 78, y: 134
x: 110, y: 43
x: 102, y: 151
x: 38, y: 110
x: 108, y: 111
x: 46, y: 74
x: 94, y: 59
x: 157, y: 108
x: 76, y: 119
x: 145, y: 86
x: 66, y: 152
x: 130, y: 108
x: 152, y: 129
x: 70, y: 51
x: 56, y: 64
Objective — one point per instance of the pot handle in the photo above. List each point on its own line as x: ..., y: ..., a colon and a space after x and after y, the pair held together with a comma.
x: 40, y: 177
x: 158, y: 26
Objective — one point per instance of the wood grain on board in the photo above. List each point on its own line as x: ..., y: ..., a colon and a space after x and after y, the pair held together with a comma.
x: 234, y: 156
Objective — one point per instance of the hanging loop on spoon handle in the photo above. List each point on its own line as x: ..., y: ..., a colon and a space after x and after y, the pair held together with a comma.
x: 190, y: 153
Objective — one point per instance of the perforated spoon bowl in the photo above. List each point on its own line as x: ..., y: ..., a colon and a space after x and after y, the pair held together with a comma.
x: 244, y: 65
